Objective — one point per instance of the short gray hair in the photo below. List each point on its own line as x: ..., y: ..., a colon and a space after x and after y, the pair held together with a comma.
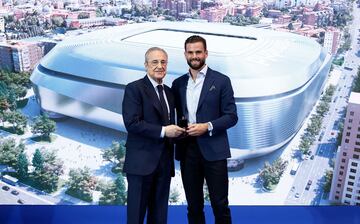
x: 154, y: 49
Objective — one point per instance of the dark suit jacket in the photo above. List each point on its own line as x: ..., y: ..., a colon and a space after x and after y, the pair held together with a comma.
x: 217, y: 105
x: 141, y: 110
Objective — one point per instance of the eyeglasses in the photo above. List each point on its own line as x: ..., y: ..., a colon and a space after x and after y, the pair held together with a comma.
x: 156, y: 62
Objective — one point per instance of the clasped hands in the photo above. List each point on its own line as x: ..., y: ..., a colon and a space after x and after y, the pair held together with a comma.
x: 172, y: 131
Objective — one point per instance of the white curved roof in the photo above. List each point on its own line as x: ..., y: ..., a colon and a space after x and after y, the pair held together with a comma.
x: 259, y: 62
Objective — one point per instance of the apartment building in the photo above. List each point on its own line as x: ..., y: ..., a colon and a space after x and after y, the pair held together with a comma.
x: 345, y: 187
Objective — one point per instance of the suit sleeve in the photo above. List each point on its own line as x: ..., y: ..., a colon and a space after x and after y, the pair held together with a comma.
x: 133, y: 114
x: 228, y: 112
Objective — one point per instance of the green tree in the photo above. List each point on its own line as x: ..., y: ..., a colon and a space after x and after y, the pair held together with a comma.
x: 9, y: 152
x: 115, y: 154
x: 7, y: 97
x: 108, y: 195
x: 83, y: 15
x: 174, y: 196
x: 81, y: 183
x: 206, y: 192
x: 114, y: 193
x: 58, y: 21
x: 47, y: 175
x: 22, y: 166
x: 120, y: 190
x: 356, y: 83
x: 328, y: 180
x: 271, y: 173
x: 38, y: 160
x: 291, y: 26
x: 43, y: 126
x: 17, y: 120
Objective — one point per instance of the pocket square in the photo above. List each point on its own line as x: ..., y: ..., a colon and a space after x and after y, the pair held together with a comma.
x: 212, y: 88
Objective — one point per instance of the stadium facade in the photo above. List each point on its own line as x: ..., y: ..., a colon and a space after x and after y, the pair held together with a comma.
x: 277, y: 77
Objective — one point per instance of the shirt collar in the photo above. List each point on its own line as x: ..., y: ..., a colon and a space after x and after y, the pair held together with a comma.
x: 202, y: 72
x: 153, y: 82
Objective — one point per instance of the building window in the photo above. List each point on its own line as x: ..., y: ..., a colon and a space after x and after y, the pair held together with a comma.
x: 346, y: 140
x: 358, y: 128
x: 344, y: 153
x: 356, y: 156
x: 357, y: 136
x: 337, y: 197
x: 348, y: 195
x: 349, y: 128
x: 357, y: 143
x: 347, y: 202
x: 347, y: 133
x: 341, y: 172
x: 350, y: 120
x: 350, y: 183
x: 354, y: 164
x: 343, y: 160
x: 349, y: 189
x: 342, y: 167
x: 352, y: 170
x: 352, y: 177
x: 337, y: 192
x: 338, y: 185
x: 357, y: 203
x: 351, y: 113
x: 357, y: 149
x: 340, y: 180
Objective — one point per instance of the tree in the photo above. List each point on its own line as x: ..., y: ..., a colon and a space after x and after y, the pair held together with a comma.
x: 114, y: 193
x: 108, y: 195
x: 81, y: 183
x: 291, y: 26
x: 17, y: 120
x: 43, y: 126
x: 47, y: 175
x: 271, y: 173
x: 58, y: 21
x: 115, y: 154
x: 121, y: 194
x: 356, y: 83
x: 22, y: 166
x: 7, y: 97
x: 83, y: 15
x: 38, y: 160
x: 9, y: 152
x: 328, y: 180
x: 206, y: 192
x: 174, y: 195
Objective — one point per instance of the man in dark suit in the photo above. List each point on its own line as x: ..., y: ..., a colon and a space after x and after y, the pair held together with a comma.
x: 149, y: 114
x: 206, y: 99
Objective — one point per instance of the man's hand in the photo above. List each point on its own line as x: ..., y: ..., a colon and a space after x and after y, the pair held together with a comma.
x: 197, y: 129
x: 172, y: 131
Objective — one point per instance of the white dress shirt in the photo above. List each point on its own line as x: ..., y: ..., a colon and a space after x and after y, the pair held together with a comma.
x: 193, y: 91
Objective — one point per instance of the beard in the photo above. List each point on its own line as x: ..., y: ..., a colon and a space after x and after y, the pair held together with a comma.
x: 196, y: 66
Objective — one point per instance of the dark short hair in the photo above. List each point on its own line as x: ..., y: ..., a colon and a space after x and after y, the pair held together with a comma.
x: 195, y: 39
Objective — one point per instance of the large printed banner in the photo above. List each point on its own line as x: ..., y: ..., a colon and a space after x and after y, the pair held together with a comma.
x: 177, y: 214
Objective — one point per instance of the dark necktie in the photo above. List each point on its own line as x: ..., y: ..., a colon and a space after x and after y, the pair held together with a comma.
x: 165, y: 112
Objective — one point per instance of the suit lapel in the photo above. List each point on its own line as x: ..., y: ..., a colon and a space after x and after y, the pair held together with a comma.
x: 182, y: 90
x: 209, y: 80
x: 170, y: 99
x: 150, y: 91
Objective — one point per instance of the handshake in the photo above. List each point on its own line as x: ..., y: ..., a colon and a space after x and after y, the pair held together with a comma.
x: 184, y: 129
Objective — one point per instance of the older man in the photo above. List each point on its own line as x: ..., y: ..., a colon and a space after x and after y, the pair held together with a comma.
x: 148, y: 113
